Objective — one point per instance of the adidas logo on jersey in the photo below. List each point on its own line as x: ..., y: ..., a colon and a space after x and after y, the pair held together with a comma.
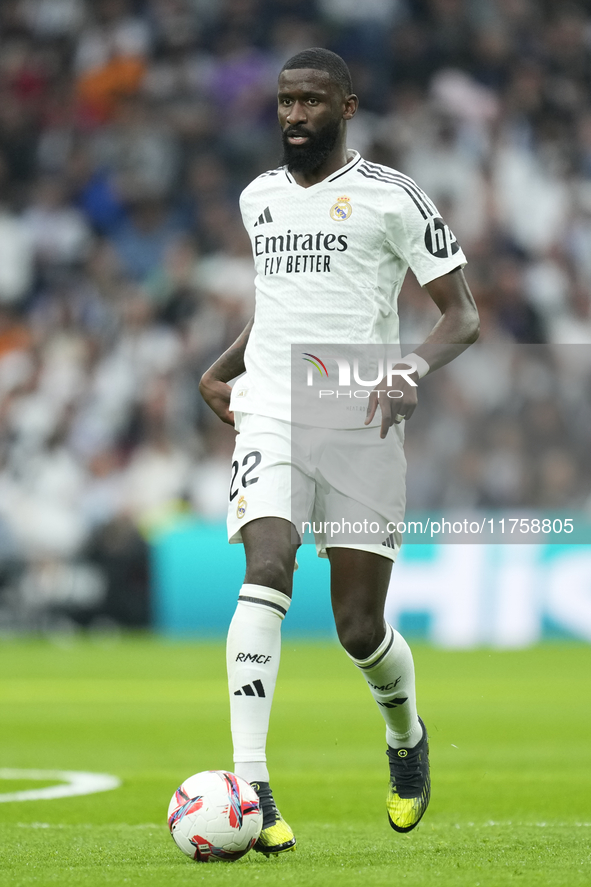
x: 265, y: 216
x: 249, y: 689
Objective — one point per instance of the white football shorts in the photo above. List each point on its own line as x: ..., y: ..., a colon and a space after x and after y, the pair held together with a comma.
x: 346, y: 487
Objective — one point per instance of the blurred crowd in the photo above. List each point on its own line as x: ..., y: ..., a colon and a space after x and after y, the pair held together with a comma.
x: 128, y: 129
x: 505, y: 427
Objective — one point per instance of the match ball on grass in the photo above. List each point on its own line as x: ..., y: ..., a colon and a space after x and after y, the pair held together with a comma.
x: 215, y: 815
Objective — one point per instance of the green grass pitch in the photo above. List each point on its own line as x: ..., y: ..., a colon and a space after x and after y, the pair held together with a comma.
x: 510, y: 749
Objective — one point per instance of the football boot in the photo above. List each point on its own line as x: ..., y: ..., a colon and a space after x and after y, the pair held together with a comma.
x: 276, y: 836
x: 410, y: 784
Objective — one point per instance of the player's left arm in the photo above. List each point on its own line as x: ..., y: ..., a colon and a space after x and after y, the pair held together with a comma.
x: 457, y: 328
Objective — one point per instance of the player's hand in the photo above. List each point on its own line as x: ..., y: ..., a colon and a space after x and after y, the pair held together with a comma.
x: 397, y: 402
x: 216, y: 395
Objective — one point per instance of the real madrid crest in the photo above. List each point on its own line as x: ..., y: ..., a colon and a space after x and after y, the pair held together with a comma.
x: 241, y: 507
x: 341, y: 210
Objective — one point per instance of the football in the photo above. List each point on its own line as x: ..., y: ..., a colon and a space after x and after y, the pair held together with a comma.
x: 215, y: 815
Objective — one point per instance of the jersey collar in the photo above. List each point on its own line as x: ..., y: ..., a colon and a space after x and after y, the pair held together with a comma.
x: 355, y: 158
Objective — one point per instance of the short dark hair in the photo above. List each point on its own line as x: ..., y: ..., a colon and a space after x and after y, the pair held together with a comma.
x: 323, y: 60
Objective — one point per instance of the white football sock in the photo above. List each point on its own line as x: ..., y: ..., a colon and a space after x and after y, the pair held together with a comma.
x: 252, y: 656
x: 390, y: 674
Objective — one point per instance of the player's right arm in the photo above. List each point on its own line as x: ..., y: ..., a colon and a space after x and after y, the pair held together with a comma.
x: 214, y: 386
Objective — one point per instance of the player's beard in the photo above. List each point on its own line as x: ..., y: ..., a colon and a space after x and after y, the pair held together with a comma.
x: 309, y: 157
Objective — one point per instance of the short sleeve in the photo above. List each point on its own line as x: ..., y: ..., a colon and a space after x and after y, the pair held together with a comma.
x: 417, y: 232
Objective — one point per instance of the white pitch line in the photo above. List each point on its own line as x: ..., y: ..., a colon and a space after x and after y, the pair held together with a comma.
x: 73, y: 782
x: 503, y: 824
x: 78, y: 825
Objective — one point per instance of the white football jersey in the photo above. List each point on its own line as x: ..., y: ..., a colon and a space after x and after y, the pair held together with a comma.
x: 330, y: 261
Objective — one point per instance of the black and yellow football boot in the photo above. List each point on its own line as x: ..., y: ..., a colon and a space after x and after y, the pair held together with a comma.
x: 276, y: 836
x: 410, y: 784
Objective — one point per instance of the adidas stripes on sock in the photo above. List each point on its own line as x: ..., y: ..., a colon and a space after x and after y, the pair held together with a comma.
x: 252, y: 656
x: 390, y: 675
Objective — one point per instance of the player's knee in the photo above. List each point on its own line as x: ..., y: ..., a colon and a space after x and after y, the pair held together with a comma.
x: 360, y: 637
x: 271, y: 574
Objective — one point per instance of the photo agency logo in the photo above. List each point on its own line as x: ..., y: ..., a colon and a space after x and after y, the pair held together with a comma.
x: 348, y: 373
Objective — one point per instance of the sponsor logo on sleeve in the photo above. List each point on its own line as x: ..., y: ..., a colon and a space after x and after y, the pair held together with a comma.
x: 439, y: 240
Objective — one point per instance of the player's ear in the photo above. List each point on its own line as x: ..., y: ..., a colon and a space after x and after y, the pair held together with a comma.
x: 350, y: 107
